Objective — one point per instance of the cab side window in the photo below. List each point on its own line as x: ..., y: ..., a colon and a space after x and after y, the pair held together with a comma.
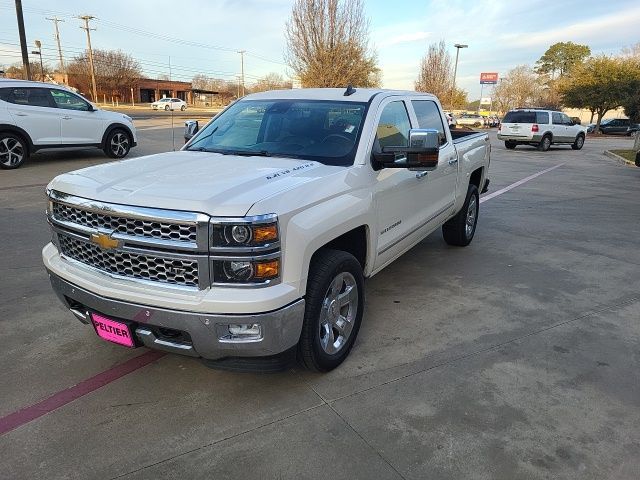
x: 566, y: 120
x: 429, y: 117
x: 393, y: 126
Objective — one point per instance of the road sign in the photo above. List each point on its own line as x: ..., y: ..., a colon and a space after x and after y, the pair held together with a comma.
x: 490, y: 78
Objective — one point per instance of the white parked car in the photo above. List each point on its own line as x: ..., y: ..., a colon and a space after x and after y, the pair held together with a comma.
x: 252, y: 243
x: 470, y: 120
x: 169, y: 104
x: 37, y: 116
x: 540, y: 128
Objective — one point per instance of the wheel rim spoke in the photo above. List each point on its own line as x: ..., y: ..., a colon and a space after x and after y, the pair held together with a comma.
x: 338, y: 312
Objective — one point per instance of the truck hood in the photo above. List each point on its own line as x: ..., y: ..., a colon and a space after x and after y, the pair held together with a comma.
x: 211, y: 183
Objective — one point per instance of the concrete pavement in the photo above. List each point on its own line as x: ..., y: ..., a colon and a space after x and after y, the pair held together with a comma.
x: 517, y: 357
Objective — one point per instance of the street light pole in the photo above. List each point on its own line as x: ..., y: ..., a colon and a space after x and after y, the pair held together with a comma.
x: 39, y: 53
x: 458, y: 46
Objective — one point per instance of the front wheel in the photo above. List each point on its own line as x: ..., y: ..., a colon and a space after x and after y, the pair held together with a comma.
x: 333, y: 311
x: 166, y: 108
x: 459, y: 230
x: 13, y: 151
x: 118, y: 144
x: 579, y: 142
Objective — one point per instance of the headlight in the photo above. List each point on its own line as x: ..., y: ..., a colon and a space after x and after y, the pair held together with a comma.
x: 245, y: 251
x: 248, y: 271
x: 257, y: 232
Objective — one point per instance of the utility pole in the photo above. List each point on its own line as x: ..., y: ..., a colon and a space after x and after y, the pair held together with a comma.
x: 55, y: 20
x: 23, y: 41
x: 86, y: 28
x: 242, y: 52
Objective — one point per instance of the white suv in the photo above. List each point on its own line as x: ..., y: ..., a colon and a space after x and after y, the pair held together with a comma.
x: 540, y: 128
x: 36, y: 116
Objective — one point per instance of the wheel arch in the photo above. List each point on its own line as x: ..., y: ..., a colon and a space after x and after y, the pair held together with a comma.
x: 113, y: 127
x: 6, y: 127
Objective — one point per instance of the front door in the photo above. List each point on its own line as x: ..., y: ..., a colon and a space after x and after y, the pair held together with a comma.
x: 406, y: 201
x: 79, y: 125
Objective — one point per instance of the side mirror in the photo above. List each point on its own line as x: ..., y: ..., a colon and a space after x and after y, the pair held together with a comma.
x: 191, y: 127
x: 91, y: 108
x: 421, y: 153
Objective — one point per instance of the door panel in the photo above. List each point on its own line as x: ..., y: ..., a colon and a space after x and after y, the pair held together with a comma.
x: 79, y: 125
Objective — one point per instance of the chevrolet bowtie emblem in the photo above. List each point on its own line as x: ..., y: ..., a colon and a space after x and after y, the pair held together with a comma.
x: 104, y: 241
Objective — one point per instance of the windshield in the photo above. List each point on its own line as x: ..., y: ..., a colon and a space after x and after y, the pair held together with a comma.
x: 324, y: 131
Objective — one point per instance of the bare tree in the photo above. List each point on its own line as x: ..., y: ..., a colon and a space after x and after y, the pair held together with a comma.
x: 436, y: 73
x: 328, y: 44
x: 116, y: 72
x: 521, y: 87
x: 271, y: 81
x: 225, y: 90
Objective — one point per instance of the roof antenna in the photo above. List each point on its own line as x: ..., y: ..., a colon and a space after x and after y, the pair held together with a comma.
x: 349, y: 91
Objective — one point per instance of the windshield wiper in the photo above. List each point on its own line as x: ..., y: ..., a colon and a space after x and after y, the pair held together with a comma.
x: 247, y: 153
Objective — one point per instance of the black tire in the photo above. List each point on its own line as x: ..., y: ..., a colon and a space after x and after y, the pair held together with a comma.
x: 545, y: 143
x: 455, y: 231
x: 510, y: 144
x: 166, y: 108
x: 183, y: 108
x: 578, y: 143
x: 327, y: 266
x: 14, y: 150
x: 477, y: 124
x: 117, y: 143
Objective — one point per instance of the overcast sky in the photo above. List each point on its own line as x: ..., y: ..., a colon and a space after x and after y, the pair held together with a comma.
x: 500, y: 34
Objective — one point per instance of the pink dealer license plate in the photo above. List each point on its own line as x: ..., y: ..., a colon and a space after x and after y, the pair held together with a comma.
x: 112, y: 331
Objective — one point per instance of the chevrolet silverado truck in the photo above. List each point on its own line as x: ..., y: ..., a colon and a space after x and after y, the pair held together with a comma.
x: 249, y: 247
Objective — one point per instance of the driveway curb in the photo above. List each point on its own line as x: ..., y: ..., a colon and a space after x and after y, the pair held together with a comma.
x: 618, y: 158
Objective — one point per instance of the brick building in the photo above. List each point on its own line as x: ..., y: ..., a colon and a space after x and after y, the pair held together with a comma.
x: 149, y: 90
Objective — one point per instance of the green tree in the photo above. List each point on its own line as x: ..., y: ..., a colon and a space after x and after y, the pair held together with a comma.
x: 328, y: 44
x: 561, y: 57
x: 601, y: 84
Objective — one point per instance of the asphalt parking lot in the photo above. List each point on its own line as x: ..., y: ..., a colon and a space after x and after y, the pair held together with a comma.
x: 515, y: 358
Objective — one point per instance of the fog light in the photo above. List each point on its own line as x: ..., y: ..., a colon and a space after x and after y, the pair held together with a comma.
x: 252, y: 329
x: 244, y: 332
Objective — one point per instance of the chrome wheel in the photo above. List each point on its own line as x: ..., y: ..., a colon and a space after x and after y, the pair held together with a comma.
x: 338, y: 313
x: 472, y: 215
x: 120, y: 144
x: 11, y: 152
x: 580, y: 142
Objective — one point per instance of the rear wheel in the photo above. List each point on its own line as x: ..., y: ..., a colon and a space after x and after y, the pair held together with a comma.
x: 333, y: 312
x: 183, y: 108
x: 579, y: 142
x: 510, y: 144
x: 117, y: 144
x: 459, y: 230
x: 545, y: 143
x: 13, y: 151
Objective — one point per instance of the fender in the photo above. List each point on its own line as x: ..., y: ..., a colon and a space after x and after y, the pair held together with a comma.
x: 311, y: 229
x: 112, y: 127
x: 5, y: 127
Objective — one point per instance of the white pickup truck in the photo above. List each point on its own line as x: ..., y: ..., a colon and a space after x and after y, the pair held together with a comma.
x: 250, y: 246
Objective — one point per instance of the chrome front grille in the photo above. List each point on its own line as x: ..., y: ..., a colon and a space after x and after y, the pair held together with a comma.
x: 139, y: 243
x: 125, y: 225
x: 146, y: 267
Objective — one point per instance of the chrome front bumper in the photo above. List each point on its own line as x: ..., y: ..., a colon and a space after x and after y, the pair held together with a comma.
x: 205, y: 334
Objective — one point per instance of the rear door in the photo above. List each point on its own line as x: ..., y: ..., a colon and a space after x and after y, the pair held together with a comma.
x: 33, y: 110
x: 79, y: 125
x: 558, y: 127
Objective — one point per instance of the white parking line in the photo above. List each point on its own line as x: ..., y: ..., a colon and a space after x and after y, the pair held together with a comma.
x: 518, y: 183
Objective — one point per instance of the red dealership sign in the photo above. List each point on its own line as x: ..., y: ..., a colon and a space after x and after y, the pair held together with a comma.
x: 489, y: 78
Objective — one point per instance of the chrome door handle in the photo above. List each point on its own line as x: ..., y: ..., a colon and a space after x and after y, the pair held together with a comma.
x: 67, y: 117
x: 453, y: 161
x: 420, y: 175
x: 20, y: 114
